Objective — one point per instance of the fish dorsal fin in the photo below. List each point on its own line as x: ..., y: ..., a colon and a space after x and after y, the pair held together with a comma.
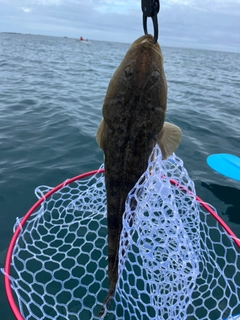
x: 169, y: 139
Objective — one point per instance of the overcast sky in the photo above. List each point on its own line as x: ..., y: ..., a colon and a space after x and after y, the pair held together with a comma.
x: 206, y: 24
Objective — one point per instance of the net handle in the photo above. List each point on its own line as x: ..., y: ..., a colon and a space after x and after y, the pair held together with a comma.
x: 8, y: 260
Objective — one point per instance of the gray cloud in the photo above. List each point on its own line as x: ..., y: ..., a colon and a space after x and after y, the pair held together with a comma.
x: 209, y: 24
x: 209, y: 29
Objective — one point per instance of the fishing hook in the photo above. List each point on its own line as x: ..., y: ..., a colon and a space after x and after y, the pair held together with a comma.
x: 150, y: 9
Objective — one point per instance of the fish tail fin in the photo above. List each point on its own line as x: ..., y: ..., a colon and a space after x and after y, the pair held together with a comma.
x: 169, y: 139
x: 106, y: 302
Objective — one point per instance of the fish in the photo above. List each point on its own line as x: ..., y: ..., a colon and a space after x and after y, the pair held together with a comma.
x: 133, y: 122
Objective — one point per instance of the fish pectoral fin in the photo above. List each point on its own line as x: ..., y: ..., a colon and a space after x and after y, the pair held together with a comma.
x: 100, y: 134
x: 169, y: 139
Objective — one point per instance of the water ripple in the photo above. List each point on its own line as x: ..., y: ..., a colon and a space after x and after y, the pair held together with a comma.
x: 52, y: 90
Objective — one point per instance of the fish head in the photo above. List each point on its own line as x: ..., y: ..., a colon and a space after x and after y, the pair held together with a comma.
x: 148, y: 39
x: 138, y: 89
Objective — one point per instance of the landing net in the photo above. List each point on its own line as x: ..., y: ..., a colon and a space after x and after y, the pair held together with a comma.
x: 179, y: 262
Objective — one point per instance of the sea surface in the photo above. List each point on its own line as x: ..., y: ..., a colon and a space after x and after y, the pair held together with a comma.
x: 51, y: 95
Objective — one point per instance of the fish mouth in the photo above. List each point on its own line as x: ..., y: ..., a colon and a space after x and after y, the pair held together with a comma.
x: 148, y: 39
x: 154, y: 47
x: 145, y: 40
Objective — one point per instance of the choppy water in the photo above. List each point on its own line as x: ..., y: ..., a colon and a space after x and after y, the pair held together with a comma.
x: 51, y: 94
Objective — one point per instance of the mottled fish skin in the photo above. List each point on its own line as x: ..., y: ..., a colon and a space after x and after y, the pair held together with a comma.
x: 133, y: 117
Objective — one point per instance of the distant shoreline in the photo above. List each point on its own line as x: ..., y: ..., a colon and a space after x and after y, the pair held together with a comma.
x: 164, y: 46
x: 11, y: 32
x: 32, y: 34
x: 65, y: 37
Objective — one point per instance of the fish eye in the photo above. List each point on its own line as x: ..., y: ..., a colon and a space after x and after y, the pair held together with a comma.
x: 128, y: 71
x: 155, y: 75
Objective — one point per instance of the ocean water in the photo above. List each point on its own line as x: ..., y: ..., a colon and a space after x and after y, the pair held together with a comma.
x: 51, y: 95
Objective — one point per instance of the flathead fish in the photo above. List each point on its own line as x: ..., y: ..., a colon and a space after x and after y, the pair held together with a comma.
x: 133, y: 122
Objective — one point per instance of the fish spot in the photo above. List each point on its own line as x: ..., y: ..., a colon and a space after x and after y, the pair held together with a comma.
x: 128, y: 72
